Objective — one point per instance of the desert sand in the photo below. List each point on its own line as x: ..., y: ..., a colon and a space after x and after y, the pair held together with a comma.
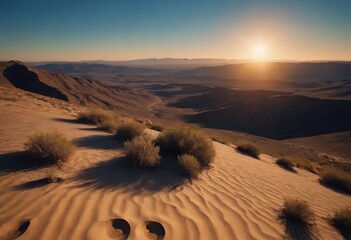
x: 238, y: 198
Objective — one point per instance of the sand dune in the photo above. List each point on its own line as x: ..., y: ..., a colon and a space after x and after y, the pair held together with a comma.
x: 238, y: 198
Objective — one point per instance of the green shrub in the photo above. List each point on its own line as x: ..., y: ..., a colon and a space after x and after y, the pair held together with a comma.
x: 187, y: 140
x: 141, y: 152
x: 341, y: 219
x: 298, y: 210
x: 51, y: 147
x: 95, y: 116
x: 189, y: 165
x: 286, y: 163
x: 129, y: 130
x: 336, y: 178
x: 248, y: 149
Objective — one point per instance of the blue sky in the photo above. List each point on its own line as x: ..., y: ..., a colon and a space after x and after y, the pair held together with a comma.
x: 118, y: 30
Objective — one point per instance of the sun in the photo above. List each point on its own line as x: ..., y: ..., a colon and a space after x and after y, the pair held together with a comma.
x: 259, y: 51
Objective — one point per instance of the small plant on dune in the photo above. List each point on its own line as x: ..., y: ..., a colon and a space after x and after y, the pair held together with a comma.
x: 286, y: 163
x: 156, y: 127
x: 297, y: 210
x: 94, y: 116
x: 108, y: 124
x: 129, y: 130
x: 187, y: 140
x: 248, y: 149
x: 341, y: 219
x: 51, y: 147
x: 141, y: 152
x: 306, y: 164
x: 189, y: 165
x: 336, y: 178
x: 220, y: 140
x: 53, y: 176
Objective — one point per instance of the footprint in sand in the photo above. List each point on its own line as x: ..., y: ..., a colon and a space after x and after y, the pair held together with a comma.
x: 156, y: 228
x: 122, y: 226
x: 22, y: 228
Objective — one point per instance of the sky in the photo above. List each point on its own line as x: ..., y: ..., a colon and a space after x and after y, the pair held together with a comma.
x: 74, y: 30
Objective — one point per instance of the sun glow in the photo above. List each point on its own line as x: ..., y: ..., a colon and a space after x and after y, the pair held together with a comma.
x: 259, y: 51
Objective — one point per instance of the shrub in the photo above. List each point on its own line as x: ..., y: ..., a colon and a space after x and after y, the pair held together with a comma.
x: 336, y: 178
x: 341, y: 219
x: 189, y: 165
x: 94, y: 116
x: 286, y: 163
x: 187, y: 140
x: 53, y: 175
x: 141, y: 152
x: 220, y: 140
x: 156, y: 127
x: 108, y: 124
x: 298, y: 210
x: 129, y: 130
x: 307, y: 165
x: 52, y: 147
x: 248, y: 149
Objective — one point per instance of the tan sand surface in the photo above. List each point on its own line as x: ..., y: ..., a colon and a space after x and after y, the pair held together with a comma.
x: 238, y: 198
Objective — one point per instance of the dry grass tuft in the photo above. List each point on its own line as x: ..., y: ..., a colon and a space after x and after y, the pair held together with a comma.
x: 108, y: 124
x: 341, y: 220
x: 141, y: 152
x: 307, y: 165
x: 187, y: 140
x: 94, y: 116
x: 286, y: 163
x: 51, y: 147
x: 189, y: 165
x: 336, y: 178
x: 248, y: 149
x: 298, y: 210
x: 53, y: 175
x: 129, y: 130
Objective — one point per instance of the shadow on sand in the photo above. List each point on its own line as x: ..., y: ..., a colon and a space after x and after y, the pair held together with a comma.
x: 117, y: 174
x: 68, y: 120
x: 290, y: 169
x: 107, y: 142
x: 297, y: 229
x: 18, y: 161
x: 33, y: 184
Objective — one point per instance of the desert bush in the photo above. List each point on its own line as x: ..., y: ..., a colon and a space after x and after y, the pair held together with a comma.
x: 156, y: 127
x: 187, y: 140
x: 129, y: 130
x: 286, y: 163
x: 341, y: 219
x: 51, y: 147
x: 141, y: 152
x: 306, y: 164
x: 94, y: 116
x: 220, y: 140
x: 53, y: 175
x: 189, y: 165
x: 297, y: 209
x: 336, y: 178
x: 108, y: 124
x: 248, y: 149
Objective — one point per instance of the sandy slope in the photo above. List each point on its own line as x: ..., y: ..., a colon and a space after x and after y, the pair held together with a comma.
x: 239, y: 198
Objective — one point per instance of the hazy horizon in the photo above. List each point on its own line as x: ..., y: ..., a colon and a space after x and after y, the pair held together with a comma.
x: 120, y: 31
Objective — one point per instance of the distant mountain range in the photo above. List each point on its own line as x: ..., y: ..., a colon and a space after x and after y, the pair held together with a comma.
x: 72, y: 89
x: 278, y: 70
